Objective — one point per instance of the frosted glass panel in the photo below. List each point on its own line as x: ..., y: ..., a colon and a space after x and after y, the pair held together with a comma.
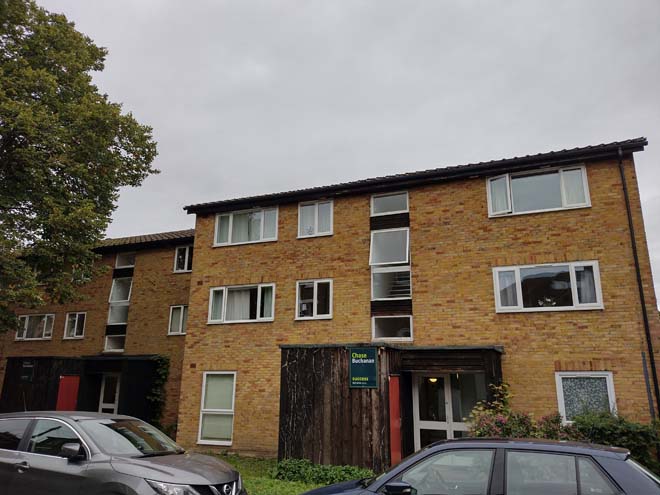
x: 217, y: 427
x: 219, y: 392
x: 389, y: 247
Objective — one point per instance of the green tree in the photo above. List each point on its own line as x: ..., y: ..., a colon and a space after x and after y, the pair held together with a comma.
x: 65, y: 150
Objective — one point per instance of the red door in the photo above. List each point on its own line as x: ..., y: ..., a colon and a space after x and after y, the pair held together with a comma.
x: 67, y: 395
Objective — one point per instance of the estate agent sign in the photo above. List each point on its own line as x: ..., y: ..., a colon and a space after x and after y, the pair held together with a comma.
x: 363, y: 367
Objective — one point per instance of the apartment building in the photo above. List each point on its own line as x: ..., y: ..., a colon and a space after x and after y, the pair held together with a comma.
x: 108, y: 350
x: 356, y: 322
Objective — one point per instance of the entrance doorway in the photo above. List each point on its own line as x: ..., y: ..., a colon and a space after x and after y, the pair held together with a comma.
x: 109, y: 399
x: 442, y: 402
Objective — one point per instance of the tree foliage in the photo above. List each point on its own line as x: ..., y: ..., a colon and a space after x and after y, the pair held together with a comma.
x: 65, y: 150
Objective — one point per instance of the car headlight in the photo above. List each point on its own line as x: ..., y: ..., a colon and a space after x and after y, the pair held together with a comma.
x: 172, y: 489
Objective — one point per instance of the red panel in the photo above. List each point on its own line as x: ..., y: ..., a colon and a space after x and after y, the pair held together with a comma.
x: 395, y: 421
x: 67, y: 395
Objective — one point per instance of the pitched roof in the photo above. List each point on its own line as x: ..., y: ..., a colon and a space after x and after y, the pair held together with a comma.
x: 411, y: 179
x: 147, y: 240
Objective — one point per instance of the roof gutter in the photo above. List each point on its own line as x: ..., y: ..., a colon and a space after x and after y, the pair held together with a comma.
x: 640, y: 286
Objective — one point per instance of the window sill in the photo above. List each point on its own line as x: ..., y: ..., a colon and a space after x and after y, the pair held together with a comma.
x: 269, y: 320
x: 312, y: 318
x: 181, y: 271
x: 532, y: 212
x: 550, y: 310
x: 391, y: 339
x: 176, y: 334
x: 398, y: 212
x: 227, y: 244
x: 328, y: 234
x: 33, y: 340
x: 73, y: 338
x: 214, y: 442
x: 113, y: 351
x: 407, y: 298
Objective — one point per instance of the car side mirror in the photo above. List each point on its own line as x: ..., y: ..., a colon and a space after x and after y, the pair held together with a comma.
x: 72, y: 451
x: 399, y: 488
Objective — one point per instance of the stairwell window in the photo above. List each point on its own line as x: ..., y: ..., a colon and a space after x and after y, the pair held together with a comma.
x: 242, y: 304
x: 389, y: 246
x: 183, y: 257
x: 125, y: 260
x: 389, y: 204
x: 120, y: 295
x: 35, y: 327
x: 75, y: 325
x: 315, y: 219
x: 246, y: 227
x: 548, y: 287
x: 531, y: 192
x: 392, y: 328
x: 314, y: 299
x: 390, y: 283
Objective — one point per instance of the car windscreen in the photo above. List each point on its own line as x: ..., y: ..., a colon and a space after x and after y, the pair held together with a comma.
x: 129, y: 437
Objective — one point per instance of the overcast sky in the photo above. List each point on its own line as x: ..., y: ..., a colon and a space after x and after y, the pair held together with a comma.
x: 250, y: 97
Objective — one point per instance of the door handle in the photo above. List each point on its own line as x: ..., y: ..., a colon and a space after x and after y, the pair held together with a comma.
x: 21, y: 467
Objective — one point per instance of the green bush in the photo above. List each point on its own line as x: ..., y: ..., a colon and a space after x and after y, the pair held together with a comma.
x: 305, y: 471
x: 496, y: 419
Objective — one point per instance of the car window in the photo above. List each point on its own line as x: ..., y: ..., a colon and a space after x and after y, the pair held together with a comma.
x: 11, y: 432
x: 540, y: 474
x: 130, y: 437
x: 459, y: 472
x: 592, y: 480
x: 48, y: 437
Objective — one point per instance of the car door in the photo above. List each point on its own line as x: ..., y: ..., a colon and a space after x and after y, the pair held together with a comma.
x: 12, y: 431
x: 456, y: 472
x: 41, y: 468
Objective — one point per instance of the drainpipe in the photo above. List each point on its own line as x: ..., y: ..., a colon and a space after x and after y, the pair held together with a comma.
x: 638, y: 271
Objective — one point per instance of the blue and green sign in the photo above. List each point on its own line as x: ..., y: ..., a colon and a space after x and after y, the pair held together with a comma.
x: 363, y: 367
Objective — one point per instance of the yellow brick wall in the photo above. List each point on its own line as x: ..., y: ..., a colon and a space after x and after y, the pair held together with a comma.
x: 454, y: 246
x: 155, y: 288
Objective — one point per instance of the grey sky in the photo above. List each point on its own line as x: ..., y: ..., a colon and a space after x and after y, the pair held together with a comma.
x: 249, y: 97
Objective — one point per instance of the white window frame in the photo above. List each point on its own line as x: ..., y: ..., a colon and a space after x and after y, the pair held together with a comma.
x: 577, y: 306
x: 560, y: 375
x: 231, y: 224
x: 169, y: 324
x: 391, y: 339
x: 561, y: 170
x: 315, y: 316
x: 105, y: 346
x: 187, y: 258
x: 219, y: 412
x: 386, y: 269
x: 117, y: 265
x: 400, y: 262
x: 26, y: 319
x: 316, y: 218
x: 130, y: 290
x: 395, y: 193
x: 75, y: 314
x: 226, y: 290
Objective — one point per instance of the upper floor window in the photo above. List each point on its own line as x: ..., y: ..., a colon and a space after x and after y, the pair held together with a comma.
x: 246, y: 227
x: 314, y: 299
x: 178, y: 320
x: 392, y: 327
x: 125, y: 260
x: 35, y: 327
x: 549, y: 287
x: 120, y: 295
x: 389, y: 246
x: 242, y: 304
x: 75, y: 325
x: 556, y: 189
x: 315, y: 219
x: 585, y: 392
x: 388, y: 204
x: 183, y: 257
x: 390, y: 282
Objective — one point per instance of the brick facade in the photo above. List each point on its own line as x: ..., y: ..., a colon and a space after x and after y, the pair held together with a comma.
x: 454, y: 245
x: 155, y: 289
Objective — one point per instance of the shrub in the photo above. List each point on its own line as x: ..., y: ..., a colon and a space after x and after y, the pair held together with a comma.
x: 307, y: 472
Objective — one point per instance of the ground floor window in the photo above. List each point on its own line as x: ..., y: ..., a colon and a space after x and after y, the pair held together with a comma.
x: 585, y: 392
x: 392, y: 328
x: 216, y: 421
x: 35, y: 327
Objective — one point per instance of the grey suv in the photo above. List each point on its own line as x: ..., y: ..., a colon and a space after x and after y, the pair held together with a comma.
x: 102, y: 454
